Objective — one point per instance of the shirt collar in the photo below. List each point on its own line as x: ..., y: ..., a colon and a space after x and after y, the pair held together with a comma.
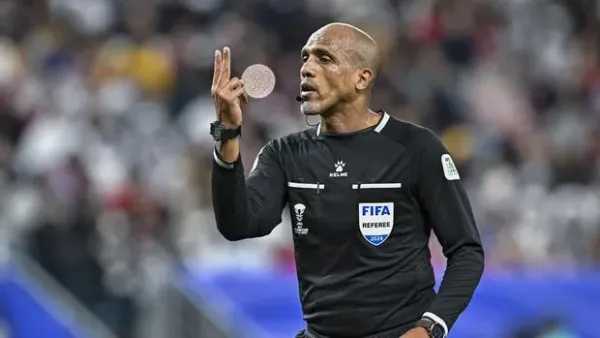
x: 385, y: 117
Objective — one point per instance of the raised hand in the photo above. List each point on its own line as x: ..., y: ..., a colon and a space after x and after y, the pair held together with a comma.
x: 227, y: 91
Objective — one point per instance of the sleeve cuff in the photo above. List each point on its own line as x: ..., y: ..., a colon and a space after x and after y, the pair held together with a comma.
x: 438, y: 320
x: 219, y: 161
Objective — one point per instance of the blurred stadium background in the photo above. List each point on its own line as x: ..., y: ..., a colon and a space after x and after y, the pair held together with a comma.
x: 106, y: 226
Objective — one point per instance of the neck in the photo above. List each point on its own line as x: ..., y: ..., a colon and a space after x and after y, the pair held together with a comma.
x: 349, y: 119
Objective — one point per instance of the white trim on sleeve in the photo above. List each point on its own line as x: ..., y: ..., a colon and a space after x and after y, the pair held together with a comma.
x: 438, y: 320
x: 220, y: 162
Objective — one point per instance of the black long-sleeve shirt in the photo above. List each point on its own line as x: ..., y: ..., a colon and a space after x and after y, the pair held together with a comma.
x: 363, y: 206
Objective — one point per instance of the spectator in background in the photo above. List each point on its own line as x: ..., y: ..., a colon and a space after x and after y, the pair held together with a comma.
x: 64, y: 246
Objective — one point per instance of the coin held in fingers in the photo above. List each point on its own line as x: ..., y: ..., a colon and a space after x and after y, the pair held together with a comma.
x: 259, y: 81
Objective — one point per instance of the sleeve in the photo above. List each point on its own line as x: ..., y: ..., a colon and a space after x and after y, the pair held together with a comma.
x: 447, y: 210
x: 248, y: 207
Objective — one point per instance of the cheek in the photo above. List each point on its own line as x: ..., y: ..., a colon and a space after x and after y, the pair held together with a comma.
x: 341, y: 83
x: 335, y: 86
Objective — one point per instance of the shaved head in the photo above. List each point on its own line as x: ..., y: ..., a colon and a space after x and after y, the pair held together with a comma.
x: 339, y: 66
x: 360, y: 48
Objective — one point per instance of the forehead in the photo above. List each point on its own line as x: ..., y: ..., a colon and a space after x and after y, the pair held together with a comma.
x: 328, y: 40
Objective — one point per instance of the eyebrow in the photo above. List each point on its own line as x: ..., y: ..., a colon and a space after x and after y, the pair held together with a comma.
x: 316, y: 50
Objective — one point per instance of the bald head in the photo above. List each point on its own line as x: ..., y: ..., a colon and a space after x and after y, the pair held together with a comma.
x: 339, y: 66
x: 360, y: 49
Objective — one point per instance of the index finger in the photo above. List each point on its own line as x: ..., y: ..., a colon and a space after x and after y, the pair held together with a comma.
x: 218, y: 71
x: 226, y: 64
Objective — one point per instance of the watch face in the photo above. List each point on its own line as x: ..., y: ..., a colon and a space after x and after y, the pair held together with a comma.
x: 216, y: 131
x: 437, y: 331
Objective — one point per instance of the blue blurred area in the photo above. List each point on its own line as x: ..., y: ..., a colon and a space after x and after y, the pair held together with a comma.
x: 29, y: 312
x: 269, y: 302
x: 265, y: 304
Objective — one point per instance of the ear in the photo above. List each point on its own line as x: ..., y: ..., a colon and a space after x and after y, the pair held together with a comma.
x: 365, y: 76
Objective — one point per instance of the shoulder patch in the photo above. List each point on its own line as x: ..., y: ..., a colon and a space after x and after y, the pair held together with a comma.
x: 450, y: 171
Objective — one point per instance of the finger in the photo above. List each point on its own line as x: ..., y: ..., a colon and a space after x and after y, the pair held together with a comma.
x: 245, y: 97
x: 234, y: 83
x: 238, y: 93
x: 226, y: 65
x: 217, y: 71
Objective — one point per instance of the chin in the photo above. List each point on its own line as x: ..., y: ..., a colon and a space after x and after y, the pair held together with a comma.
x: 310, y: 108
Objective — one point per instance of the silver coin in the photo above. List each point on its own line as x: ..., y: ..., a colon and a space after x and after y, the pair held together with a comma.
x: 259, y: 81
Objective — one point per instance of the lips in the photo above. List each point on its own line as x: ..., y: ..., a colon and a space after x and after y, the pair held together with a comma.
x: 306, y: 88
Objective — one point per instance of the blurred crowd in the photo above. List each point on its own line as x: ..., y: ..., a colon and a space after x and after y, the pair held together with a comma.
x: 105, y: 155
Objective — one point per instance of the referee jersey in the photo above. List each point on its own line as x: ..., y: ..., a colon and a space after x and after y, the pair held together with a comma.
x: 363, y: 206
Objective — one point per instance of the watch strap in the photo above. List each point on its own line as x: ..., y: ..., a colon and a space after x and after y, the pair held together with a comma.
x: 433, y: 328
x: 441, y: 329
x: 220, y: 133
x: 425, y: 323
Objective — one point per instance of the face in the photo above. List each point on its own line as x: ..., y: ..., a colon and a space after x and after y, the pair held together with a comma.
x: 327, y: 76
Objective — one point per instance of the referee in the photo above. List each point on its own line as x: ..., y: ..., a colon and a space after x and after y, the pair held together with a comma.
x: 364, y: 191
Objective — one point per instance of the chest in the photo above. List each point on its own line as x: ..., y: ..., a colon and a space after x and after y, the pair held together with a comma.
x: 350, y: 192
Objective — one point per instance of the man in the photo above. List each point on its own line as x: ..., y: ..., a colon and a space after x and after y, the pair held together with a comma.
x: 365, y: 191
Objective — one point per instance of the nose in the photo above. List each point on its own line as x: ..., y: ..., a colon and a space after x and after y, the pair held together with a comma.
x: 308, y: 69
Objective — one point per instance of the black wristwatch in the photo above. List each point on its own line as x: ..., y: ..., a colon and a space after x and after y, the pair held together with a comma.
x: 220, y: 133
x: 434, y: 329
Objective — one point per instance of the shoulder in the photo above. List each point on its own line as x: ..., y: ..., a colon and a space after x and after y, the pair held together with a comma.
x: 291, y: 141
x: 431, y: 156
x: 280, y: 149
x: 424, y: 147
x: 410, y: 135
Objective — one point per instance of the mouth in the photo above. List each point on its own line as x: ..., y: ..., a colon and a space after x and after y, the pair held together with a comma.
x: 307, y: 90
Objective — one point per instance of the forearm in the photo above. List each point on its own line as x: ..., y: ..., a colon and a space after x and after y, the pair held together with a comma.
x: 246, y: 208
x: 230, y: 201
x: 463, y: 273
x: 448, y: 212
x: 229, y: 151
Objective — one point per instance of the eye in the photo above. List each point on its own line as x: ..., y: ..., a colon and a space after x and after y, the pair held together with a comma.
x: 324, y: 59
x: 304, y: 58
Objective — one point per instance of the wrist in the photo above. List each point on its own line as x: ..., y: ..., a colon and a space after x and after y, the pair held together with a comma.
x: 230, y: 124
x: 422, y: 331
x: 223, y: 133
x: 432, y: 327
x: 228, y: 151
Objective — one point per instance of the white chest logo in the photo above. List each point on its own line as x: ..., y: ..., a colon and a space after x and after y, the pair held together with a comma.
x: 376, y: 221
x: 299, y: 211
x: 339, y: 170
x: 299, y: 229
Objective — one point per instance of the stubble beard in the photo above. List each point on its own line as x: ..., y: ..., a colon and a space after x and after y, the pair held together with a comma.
x: 306, y: 109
